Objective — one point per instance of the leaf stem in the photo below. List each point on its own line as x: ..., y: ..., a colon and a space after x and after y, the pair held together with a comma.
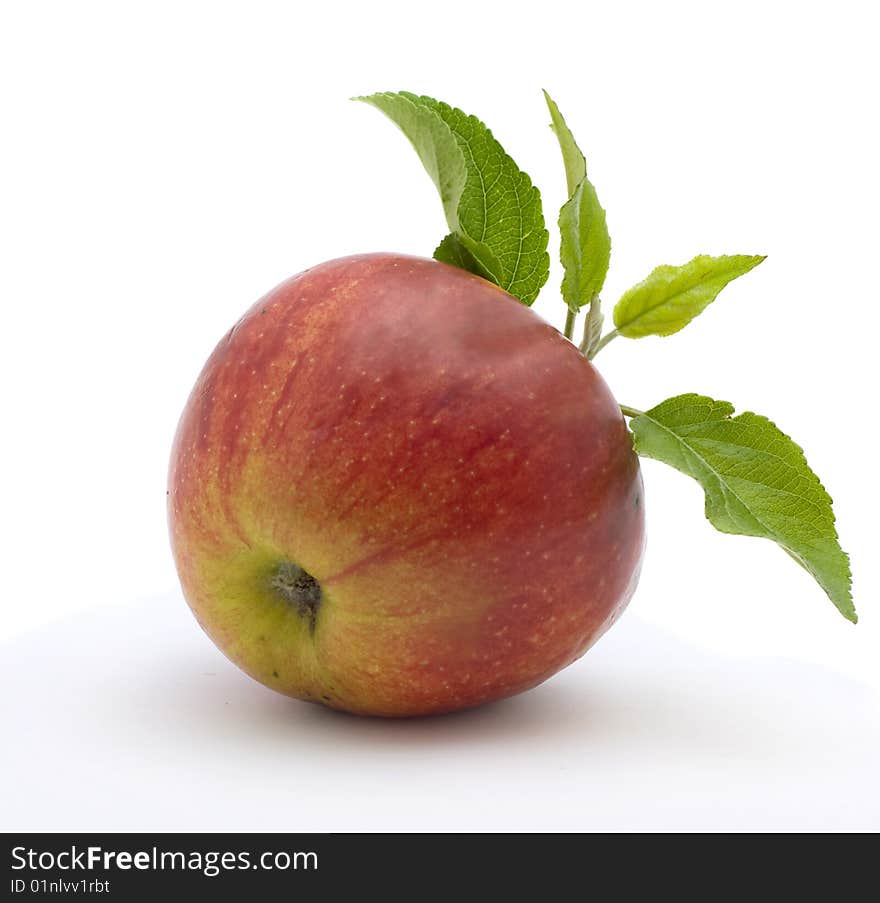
x: 570, y: 317
x: 631, y: 412
x: 604, y: 341
x: 592, y: 322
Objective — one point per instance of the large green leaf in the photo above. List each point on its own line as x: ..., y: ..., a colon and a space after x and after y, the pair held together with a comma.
x: 585, y: 248
x: 757, y: 482
x: 673, y: 295
x: 491, y: 207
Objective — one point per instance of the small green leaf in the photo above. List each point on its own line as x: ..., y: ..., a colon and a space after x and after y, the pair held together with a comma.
x: 585, y: 249
x: 572, y: 157
x: 757, y: 482
x: 592, y: 331
x: 672, y: 296
x: 453, y: 250
x: 491, y: 206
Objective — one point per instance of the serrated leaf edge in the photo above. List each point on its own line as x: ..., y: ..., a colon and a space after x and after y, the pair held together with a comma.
x: 845, y: 607
x: 669, y: 299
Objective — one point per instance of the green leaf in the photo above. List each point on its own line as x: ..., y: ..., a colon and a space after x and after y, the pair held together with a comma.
x: 454, y: 250
x: 757, y: 482
x: 572, y: 158
x: 672, y: 296
x: 592, y: 331
x: 585, y: 249
x: 491, y: 206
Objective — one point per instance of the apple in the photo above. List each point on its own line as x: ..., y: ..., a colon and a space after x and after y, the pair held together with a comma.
x: 396, y: 491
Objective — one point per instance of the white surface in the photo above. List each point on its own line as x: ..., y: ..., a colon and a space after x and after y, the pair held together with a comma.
x: 148, y: 727
x: 164, y: 165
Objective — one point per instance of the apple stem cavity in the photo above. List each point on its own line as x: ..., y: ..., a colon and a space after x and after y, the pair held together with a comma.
x: 298, y: 588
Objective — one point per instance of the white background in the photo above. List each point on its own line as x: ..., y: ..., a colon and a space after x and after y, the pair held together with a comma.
x: 163, y: 165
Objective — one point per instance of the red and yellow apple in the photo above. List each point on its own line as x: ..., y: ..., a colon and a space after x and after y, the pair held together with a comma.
x: 396, y: 491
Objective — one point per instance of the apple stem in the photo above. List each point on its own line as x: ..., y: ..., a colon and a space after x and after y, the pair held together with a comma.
x: 604, y: 341
x: 630, y: 412
x: 570, y: 317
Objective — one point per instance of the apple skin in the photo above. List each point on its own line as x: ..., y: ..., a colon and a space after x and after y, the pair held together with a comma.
x: 450, y: 469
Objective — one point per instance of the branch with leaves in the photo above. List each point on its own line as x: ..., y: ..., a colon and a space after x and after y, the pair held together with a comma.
x: 756, y: 479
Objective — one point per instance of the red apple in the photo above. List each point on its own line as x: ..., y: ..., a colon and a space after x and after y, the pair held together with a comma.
x: 395, y: 490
